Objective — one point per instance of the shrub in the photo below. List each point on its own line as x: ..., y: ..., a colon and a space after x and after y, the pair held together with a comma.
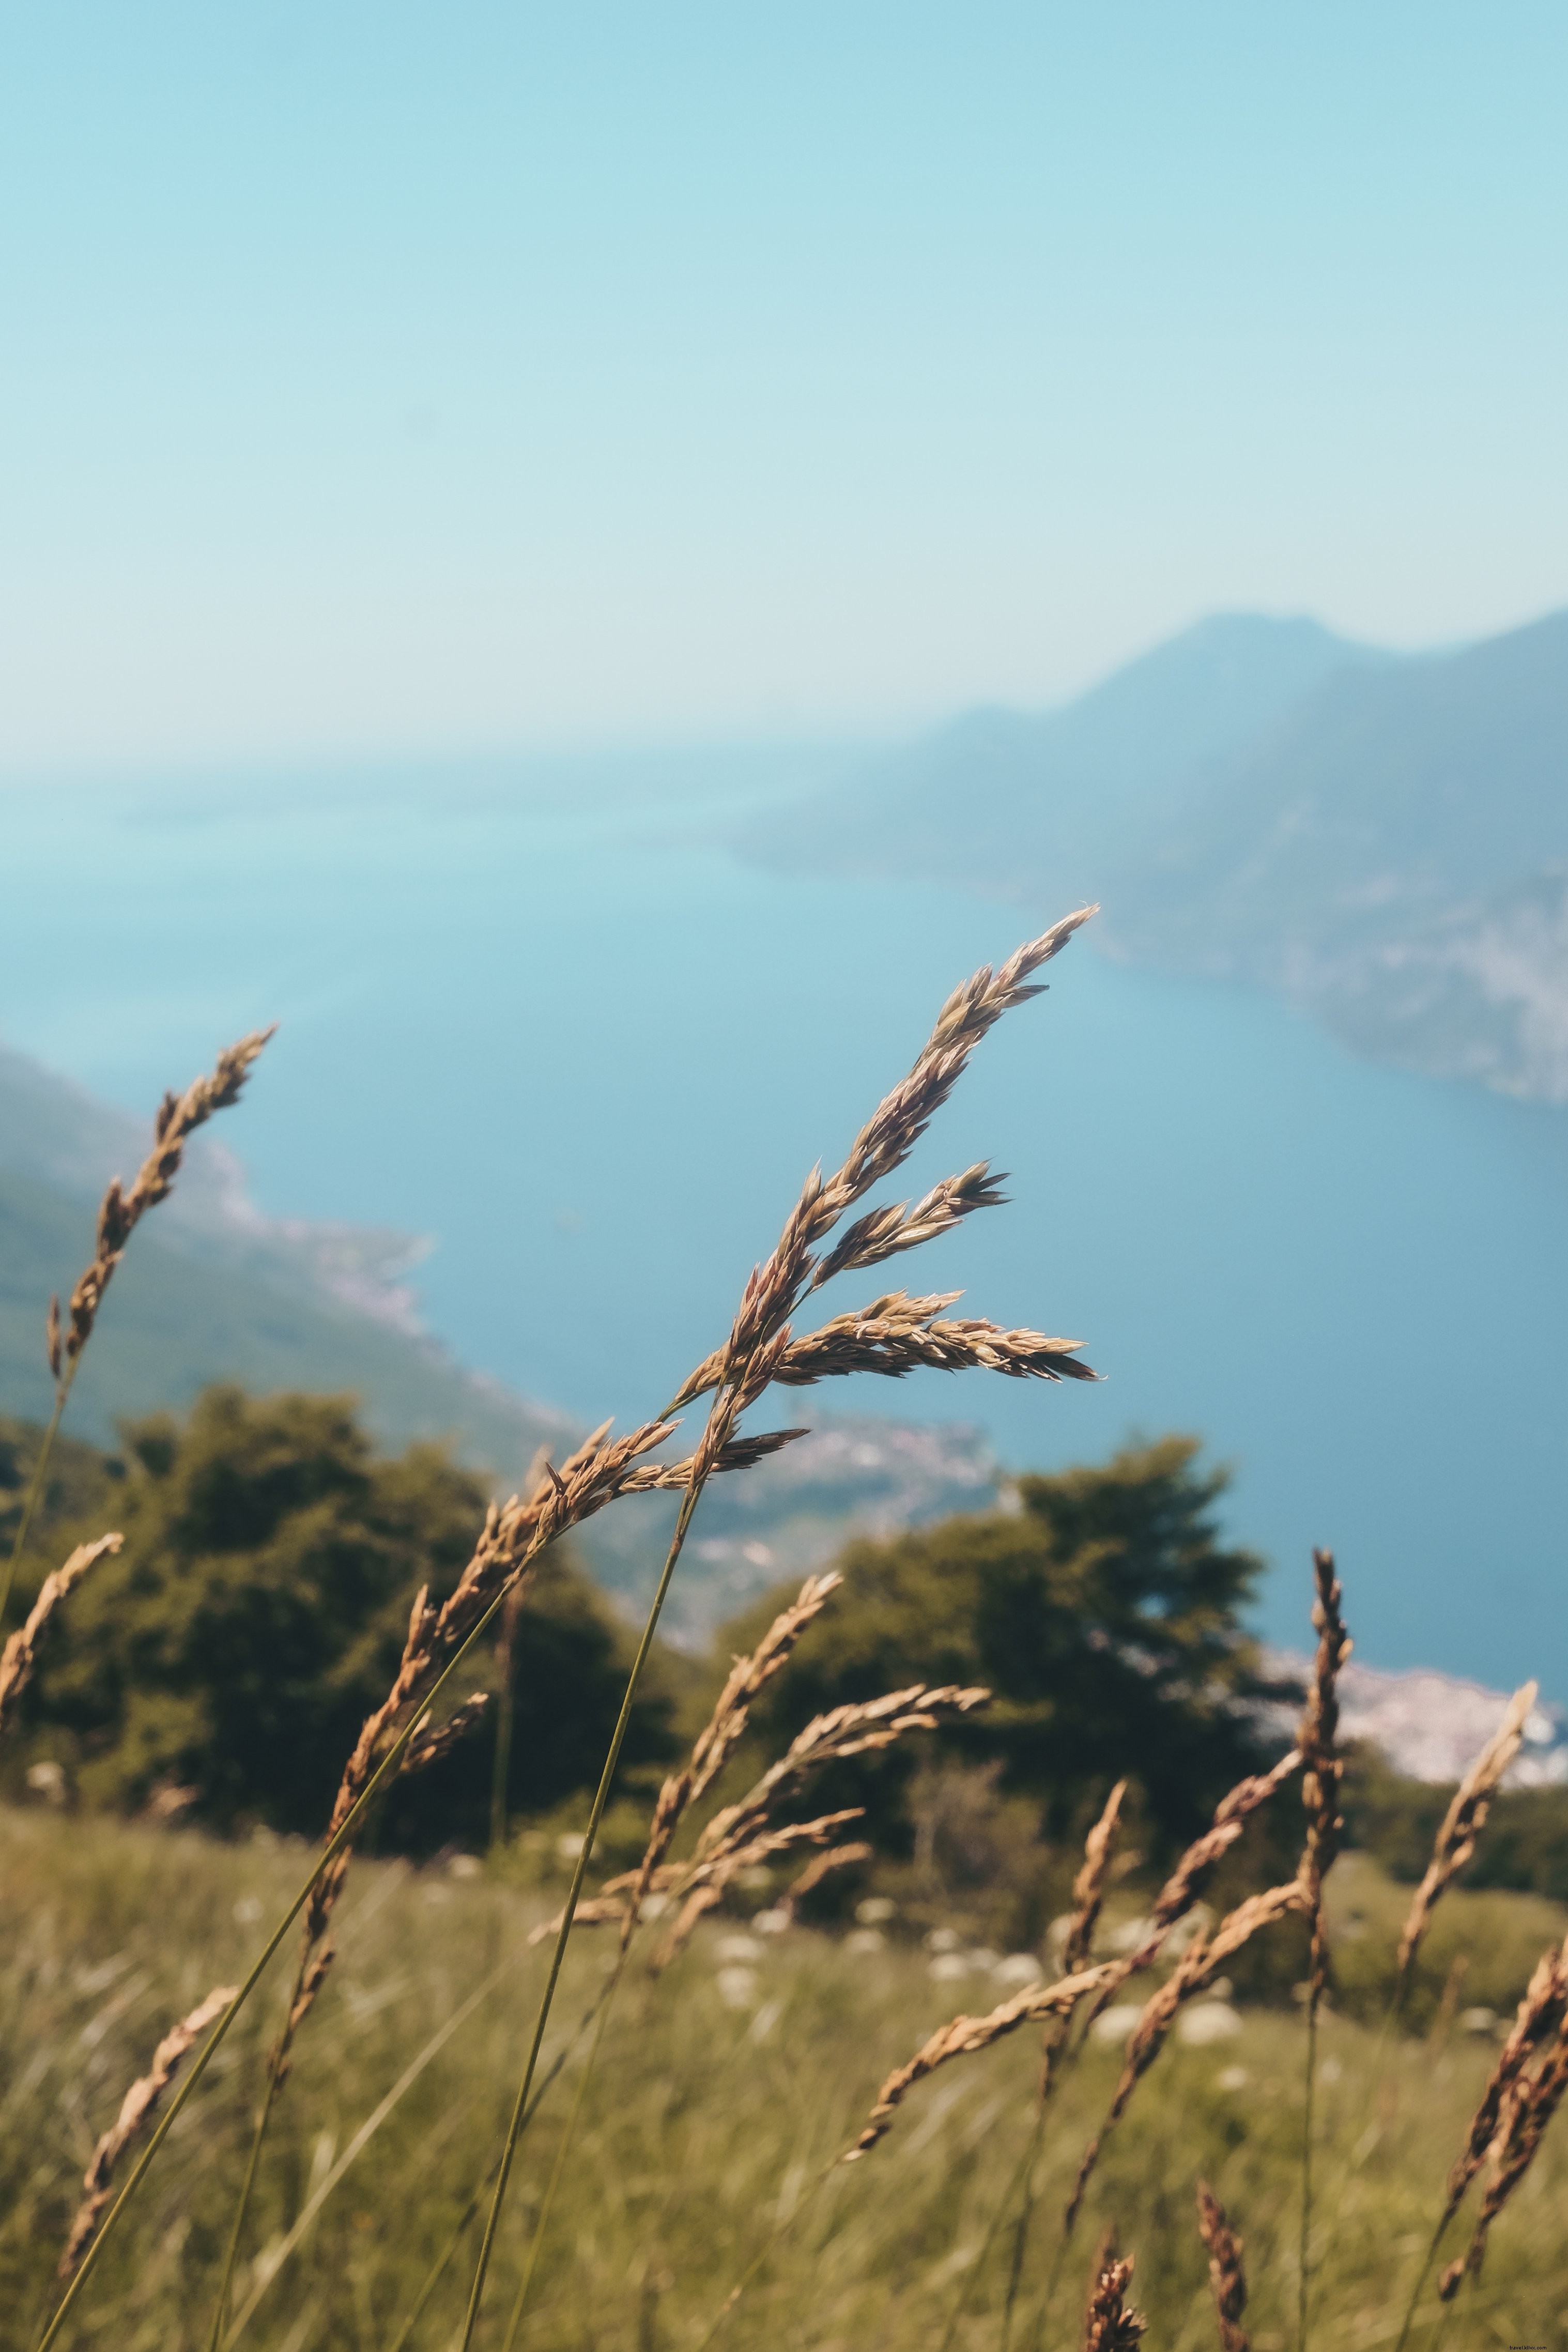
x: 223, y: 1662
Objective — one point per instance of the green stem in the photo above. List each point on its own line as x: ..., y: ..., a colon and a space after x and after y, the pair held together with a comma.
x: 35, y: 1485
x: 1424, y: 2273
x: 543, y: 2224
x: 360, y: 2141
x: 435, y: 2276
x: 330, y: 1852
x: 242, y: 2205
x: 440, y: 2270
x: 1302, y: 2283
x: 601, y: 1796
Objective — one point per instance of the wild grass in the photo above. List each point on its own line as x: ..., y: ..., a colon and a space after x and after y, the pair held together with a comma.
x: 711, y: 2171
x: 703, y: 2122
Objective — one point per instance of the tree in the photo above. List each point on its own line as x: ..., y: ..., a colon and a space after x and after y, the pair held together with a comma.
x: 1105, y: 1616
x: 256, y: 1615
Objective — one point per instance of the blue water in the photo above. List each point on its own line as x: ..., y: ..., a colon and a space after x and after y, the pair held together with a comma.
x: 542, y: 1015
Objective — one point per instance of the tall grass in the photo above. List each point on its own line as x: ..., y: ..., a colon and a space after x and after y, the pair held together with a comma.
x: 703, y: 2125
x: 730, y: 2130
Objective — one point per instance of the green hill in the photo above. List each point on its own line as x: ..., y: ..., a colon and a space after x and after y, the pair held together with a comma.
x: 209, y: 1290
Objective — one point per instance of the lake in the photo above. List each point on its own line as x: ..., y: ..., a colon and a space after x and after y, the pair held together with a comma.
x: 536, y: 1011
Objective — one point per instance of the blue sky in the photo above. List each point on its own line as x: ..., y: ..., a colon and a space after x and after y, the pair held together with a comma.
x: 405, y: 378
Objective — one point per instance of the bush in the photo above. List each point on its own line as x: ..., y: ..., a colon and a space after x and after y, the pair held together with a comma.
x: 1104, y: 1614
x: 1524, y: 1849
x: 223, y: 1662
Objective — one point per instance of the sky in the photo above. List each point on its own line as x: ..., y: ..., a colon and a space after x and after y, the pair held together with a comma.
x: 389, y: 379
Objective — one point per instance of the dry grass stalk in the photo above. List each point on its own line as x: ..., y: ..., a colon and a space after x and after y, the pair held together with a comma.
x: 821, y: 1867
x: 1190, y: 1874
x: 883, y: 1233
x: 774, y: 1288
x: 434, y: 1740
x: 1226, y: 2277
x: 741, y: 1835
x: 829, y: 1738
x: 899, y: 1334
x: 711, y: 1879
x: 1532, y: 2101
x: 176, y: 1121
x: 966, y: 2035
x: 1540, y: 2016
x: 1324, y: 1769
x: 1110, y: 2325
x: 1089, y: 1887
x: 1087, y: 1893
x: 1096, y: 1984
x: 120, y: 1212
x: 1463, y: 1822
x: 135, y: 2109
x: 748, y: 1677
x: 513, y: 1536
x: 21, y: 1654
x: 1197, y: 1968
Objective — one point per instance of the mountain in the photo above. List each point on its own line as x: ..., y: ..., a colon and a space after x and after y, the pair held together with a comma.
x: 1383, y: 841
x: 1393, y: 855
x: 209, y: 1289
x: 1041, y: 805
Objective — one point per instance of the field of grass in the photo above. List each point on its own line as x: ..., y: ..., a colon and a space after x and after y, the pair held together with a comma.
x: 720, y: 2096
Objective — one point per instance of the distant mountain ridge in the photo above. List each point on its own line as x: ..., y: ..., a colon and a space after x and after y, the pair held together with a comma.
x: 1032, y: 804
x: 1392, y: 855
x: 1383, y: 839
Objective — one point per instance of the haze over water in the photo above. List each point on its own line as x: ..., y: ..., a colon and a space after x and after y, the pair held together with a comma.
x: 542, y: 1015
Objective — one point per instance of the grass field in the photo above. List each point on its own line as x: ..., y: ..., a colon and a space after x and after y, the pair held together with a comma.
x: 721, y: 2094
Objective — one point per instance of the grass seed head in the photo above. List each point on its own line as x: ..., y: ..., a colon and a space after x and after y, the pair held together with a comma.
x: 1110, y: 2324
x: 135, y: 2113
x: 1323, y: 1766
x: 176, y: 1121
x: 21, y: 1652
x: 1463, y: 1822
x: 1226, y: 2277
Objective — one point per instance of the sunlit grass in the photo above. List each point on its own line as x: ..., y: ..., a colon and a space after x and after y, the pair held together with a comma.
x: 705, y: 2123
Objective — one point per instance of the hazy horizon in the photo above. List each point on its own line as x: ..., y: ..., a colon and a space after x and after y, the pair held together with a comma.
x: 643, y: 750
x: 377, y: 384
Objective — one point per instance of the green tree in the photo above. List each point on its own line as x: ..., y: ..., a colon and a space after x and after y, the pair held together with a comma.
x: 1105, y: 1616
x: 258, y: 1613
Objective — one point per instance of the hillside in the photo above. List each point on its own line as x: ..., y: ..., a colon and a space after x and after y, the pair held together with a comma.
x: 1384, y: 842
x: 211, y: 1290
x: 1392, y: 853
x: 1039, y: 805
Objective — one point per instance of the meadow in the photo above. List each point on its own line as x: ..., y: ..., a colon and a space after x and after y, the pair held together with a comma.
x: 721, y: 2094
x: 716, y: 2120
